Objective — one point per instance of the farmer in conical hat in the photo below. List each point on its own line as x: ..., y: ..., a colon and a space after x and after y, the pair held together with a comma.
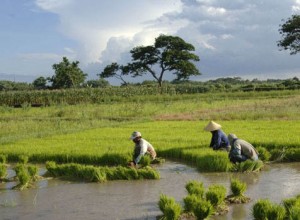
x: 241, y: 150
x: 219, y: 140
x: 141, y: 148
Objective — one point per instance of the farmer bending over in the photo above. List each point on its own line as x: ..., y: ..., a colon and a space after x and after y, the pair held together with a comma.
x: 219, y: 140
x: 141, y: 148
x: 241, y: 150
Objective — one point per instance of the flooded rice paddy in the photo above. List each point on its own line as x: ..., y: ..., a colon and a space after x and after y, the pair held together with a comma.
x: 137, y: 200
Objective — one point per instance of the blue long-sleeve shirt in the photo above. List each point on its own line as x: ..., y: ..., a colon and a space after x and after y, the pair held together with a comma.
x: 219, y: 140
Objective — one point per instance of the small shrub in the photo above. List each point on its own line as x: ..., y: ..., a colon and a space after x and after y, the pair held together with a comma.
x: 195, y: 187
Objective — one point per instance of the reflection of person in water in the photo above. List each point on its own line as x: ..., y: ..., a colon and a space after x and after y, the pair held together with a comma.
x: 219, y: 140
x: 241, y: 150
x: 141, y: 148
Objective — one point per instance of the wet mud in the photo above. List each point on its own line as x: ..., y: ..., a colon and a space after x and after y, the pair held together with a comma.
x: 137, y: 200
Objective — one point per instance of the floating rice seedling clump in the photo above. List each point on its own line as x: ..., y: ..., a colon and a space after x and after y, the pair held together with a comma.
x: 237, y: 188
x: 170, y: 208
x: 99, y: 174
x: 264, y: 209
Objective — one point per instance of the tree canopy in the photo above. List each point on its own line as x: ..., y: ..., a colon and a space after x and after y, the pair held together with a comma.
x: 169, y: 54
x: 67, y: 75
x: 290, y: 32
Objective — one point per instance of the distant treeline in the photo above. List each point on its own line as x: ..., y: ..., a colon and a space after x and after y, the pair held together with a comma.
x: 22, y: 94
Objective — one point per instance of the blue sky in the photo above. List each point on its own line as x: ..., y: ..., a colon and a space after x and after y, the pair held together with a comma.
x: 232, y: 38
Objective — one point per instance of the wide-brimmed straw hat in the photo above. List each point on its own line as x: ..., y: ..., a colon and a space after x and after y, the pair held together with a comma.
x: 135, y: 134
x: 212, y: 126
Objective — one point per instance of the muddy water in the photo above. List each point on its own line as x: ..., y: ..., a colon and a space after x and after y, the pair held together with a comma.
x: 137, y: 200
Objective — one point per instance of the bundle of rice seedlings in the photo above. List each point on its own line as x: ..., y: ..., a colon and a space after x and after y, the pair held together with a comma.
x: 148, y: 173
x: 33, y: 172
x: 276, y: 212
x: 261, y: 208
x: 3, y: 171
x: 292, y: 207
x: 203, y: 209
x: 3, y: 158
x: 22, y: 176
x: 190, y: 202
x: 216, y: 195
x: 237, y: 188
x: 264, y: 154
x: 145, y: 161
x: 170, y: 209
x: 23, y: 159
x: 195, y: 187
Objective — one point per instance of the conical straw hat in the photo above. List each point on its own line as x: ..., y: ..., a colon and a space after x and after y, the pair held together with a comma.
x: 212, y: 126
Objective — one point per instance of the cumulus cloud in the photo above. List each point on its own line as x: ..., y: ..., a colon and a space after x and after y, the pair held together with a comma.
x: 230, y: 36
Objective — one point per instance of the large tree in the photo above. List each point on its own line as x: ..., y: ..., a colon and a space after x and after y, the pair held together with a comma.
x: 290, y: 32
x: 67, y: 75
x: 169, y: 54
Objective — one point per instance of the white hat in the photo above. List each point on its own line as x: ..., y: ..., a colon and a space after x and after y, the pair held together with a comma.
x: 135, y: 134
x: 212, y: 126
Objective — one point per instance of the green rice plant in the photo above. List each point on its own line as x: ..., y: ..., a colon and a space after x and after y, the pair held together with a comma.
x: 203, y: 209
x: 195, y: 187
x: 237, y: 187
x: 292, y: 206
x: 3, y: 158
x: 215, y: 162
x: 190, y: 202
x: 216, y: 195
x: 148, y: 173
x: 145, y: 161
x: 170, y: 209
x: 22, y: 176
x: 23, y: 159
x: 32, y: 171
x: 276, y: 212
x: 261, y: 209
x: 264, y: 154
x: 294, y: 213
x: 248, y: 166
x: 3, y: 171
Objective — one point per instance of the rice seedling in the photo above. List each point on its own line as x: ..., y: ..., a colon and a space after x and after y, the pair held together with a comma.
x: 261, y: 208
x: 238, y: 189
x: 170, y: 209
x: 248, y: 166
x: 216, y: 196
x: 23, y: 159
x: 190, y: 202
x: 33, y: 172
x: 3, y: 171
x: 3, y: 158
x: 195, y: 187
x: 264, y: 154
x: 276, y: 212
x: 203, y: 209
x: 22, y: 176
x: 99, y: 174
x: 292, y: 207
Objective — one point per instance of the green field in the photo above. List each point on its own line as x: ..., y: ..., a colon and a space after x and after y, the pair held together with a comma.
x: 98, y: 134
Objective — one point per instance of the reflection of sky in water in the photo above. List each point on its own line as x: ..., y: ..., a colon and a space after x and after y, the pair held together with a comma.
x: 137, y: 200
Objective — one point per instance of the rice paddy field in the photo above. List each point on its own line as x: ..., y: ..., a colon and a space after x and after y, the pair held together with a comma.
x: 91, y: 140
x: 99, y: 133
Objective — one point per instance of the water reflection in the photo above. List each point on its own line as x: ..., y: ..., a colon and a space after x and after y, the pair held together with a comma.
x: 137, y: 200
